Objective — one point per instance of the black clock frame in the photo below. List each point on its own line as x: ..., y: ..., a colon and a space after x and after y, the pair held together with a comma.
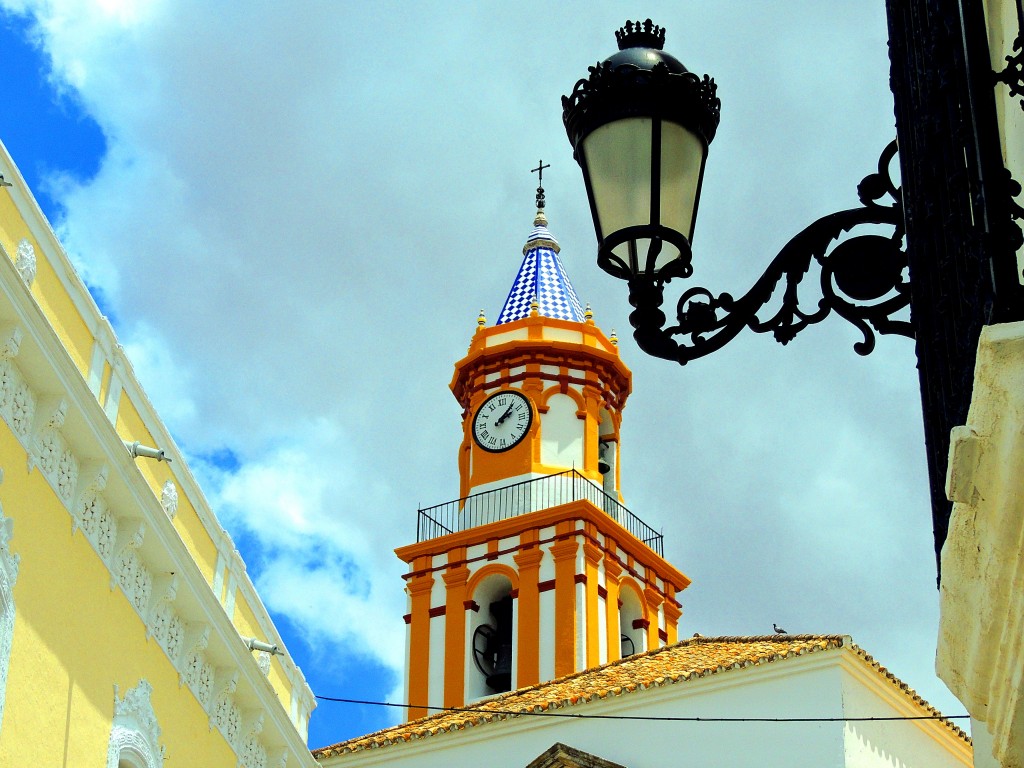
x: 517, y: 441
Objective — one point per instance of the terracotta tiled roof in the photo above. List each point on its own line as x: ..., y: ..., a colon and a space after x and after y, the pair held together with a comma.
x: 686, y: 660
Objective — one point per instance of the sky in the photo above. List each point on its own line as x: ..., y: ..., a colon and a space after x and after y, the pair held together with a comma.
x: 293, y: 213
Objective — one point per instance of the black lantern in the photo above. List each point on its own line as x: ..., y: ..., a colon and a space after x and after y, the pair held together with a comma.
x: 640, y: 126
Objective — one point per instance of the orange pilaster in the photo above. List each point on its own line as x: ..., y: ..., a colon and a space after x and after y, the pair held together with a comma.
x: 455, y: 634
x: 654, y: 601
x: 612, y: 573
x: 564, y: 554
x: 672, y: 614
x: 592, y: 556
x: 592, y: 427
x: 419, y: 588
x: 528, y: 651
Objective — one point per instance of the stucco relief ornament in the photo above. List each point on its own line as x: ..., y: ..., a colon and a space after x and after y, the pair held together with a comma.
x: 48, y: 450
x: 175, y: 635
x: 169, y: 499
x: 134, y: 579
x: 97, y: 523
x: 25, y: 261
x: 136, y: 732
x: 198, y: 674
x: 263, y: 660
x: 50, y: 413
x: 67, y: 475
x: 253, y: 754
x: 23, y: 407
x: 7, y: 384
x: 10, y: 342
x: 227, y: 717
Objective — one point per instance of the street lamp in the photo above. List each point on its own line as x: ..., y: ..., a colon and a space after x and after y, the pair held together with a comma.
x: 953, y: 227
x: 640, y: 125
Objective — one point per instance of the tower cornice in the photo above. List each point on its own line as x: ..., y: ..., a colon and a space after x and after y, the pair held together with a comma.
x: 627, y: 548
x: 516, y: 351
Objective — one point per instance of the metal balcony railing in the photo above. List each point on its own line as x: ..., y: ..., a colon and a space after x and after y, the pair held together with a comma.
x: 529, y: 496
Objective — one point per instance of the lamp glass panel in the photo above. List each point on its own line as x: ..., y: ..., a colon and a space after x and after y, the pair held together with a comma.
x: 682, y: 157
x: 618, y: 157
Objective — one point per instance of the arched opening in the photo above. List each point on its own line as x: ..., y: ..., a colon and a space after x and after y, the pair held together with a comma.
x: 632, y: 632
x: 135, y: 734
x: 608, y: 456
x: 491, y: 639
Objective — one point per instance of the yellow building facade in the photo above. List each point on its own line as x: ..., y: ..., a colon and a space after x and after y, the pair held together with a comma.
x: 130, y: 633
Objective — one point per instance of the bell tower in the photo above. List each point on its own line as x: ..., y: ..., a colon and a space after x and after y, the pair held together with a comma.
x: 538, y: 570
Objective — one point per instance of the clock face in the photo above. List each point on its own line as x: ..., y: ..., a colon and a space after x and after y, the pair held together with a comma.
x: 502, y: 421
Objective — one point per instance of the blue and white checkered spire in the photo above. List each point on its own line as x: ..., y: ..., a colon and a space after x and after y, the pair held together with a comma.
x: 541, y: 277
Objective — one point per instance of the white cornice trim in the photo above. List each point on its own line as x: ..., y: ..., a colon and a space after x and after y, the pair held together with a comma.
x: 68, y: 435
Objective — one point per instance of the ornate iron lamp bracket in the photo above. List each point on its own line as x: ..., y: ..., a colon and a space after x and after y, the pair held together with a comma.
x: 862, y: 279
x: 1013, y: 74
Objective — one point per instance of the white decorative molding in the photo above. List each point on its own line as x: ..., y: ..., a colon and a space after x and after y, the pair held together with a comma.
x: 10, y: 341
x: 277, y: 757
x: 168, y: 629
x: 51, y: 412
x: 251, y: 753
x: 225, y: 714
x: 135, y: 580
x: 225, y: 682
x: 25, y: 261
x: 98, y: 524
x: 199, y: 676
x: 195, y: 639
x: 129, y: 538
x: 169, y: 499
x: 67, y: 475
x: 8, y: 575
x: 228, y: 719
x: 254, y: 755
x: 162, y: 593
x: 135, y: 732
x: 263, y: 661
x: 37, y: 421
x: 92, y: 480
x: 192, y: 667
x: 23, y: 406
x: 50, y: 451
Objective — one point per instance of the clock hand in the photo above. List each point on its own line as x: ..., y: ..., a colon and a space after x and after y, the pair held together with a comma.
x: 503, y: 416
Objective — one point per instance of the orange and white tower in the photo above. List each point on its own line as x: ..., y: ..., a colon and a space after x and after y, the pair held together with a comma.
x: 538, y: 570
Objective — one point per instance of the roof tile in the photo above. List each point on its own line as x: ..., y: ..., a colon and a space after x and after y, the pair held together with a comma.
x: 686, y: 660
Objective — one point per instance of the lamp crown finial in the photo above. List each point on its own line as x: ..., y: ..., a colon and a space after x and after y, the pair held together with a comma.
x: 641, y: 34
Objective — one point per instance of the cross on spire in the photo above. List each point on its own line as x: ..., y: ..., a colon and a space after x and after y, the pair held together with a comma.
x: 539, y: 170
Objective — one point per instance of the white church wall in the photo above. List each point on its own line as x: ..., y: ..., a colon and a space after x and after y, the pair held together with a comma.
x: 808, y: 686
x: 880, y: 743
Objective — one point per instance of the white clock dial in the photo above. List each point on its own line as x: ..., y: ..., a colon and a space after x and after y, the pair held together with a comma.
x: 502, y: 421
